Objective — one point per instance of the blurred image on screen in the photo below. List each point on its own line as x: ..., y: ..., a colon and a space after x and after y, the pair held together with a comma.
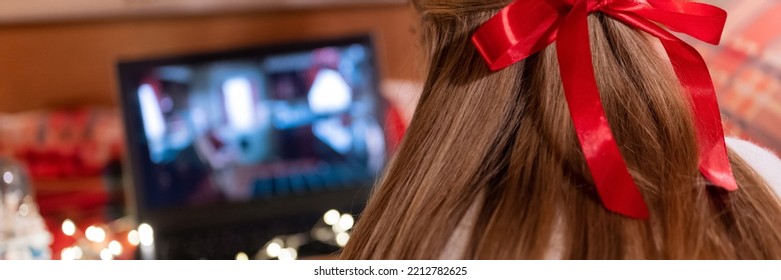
x: 248, y: 129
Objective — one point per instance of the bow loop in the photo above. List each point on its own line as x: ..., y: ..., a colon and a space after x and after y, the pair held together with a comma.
x: 701, y: 21
x: 504, y: 39
x: 527, y: 26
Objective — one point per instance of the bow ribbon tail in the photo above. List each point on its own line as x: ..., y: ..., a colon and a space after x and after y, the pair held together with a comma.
x: 714, y: 162
x: 693, y: 74
x: 614, y: 184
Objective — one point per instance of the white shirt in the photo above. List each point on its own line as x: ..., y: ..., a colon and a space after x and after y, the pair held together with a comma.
x: 764, y: 162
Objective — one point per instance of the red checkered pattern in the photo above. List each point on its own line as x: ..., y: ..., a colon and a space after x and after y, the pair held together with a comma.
x: 746, y: 70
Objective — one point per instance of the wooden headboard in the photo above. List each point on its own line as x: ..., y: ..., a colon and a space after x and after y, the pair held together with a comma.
x: 72, y: 63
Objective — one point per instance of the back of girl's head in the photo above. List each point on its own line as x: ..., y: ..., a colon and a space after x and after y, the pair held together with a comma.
x: 503, y: 144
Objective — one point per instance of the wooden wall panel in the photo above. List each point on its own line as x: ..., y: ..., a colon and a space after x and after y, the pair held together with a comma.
x: 15, y: 11
x: 73, y: 63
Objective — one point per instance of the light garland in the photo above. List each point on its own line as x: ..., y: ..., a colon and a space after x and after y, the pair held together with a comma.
x: 102, y: 241
x: 333, y: 229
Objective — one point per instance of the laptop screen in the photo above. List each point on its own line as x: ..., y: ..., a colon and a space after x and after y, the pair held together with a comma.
x: 253, y: 125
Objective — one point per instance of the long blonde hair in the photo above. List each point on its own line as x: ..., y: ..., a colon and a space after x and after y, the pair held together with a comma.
x: 505, y: 140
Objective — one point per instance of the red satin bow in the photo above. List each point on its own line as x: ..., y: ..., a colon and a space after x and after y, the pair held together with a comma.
x: 527, y: 26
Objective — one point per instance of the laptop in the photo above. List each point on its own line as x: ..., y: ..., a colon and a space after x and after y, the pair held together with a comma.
x: 230, y: 149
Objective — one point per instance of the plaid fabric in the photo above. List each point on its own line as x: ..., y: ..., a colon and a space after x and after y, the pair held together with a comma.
x: 746, y: 70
